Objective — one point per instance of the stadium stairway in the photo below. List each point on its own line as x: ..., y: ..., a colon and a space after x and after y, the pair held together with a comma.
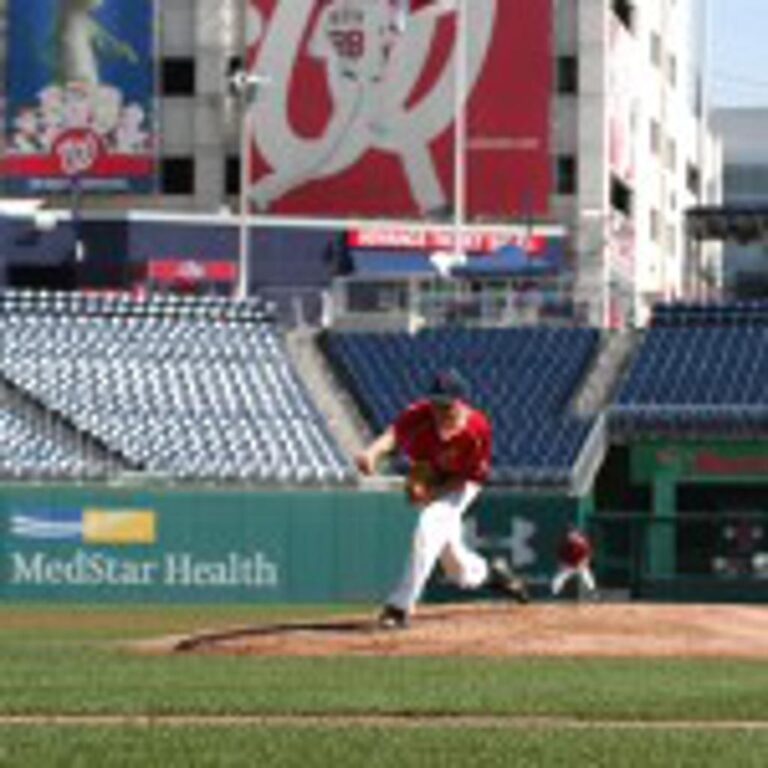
x: 91, y: 455
x: 341, y: 413
x: 602, y: 379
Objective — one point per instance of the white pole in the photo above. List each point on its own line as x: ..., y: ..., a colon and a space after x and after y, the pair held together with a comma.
x: 704, y: 105
x: 460, y: 131
x: 245, y: 177
x: 606, y: 243
x: 246, y: 86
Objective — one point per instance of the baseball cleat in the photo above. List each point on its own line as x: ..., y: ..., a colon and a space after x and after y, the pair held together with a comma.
x: 392, y: 617
x: 501, y: 579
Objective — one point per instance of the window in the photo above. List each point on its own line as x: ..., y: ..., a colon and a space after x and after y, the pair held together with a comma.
x: 671, y: 244
x: 693, y: 179
x: 655, y: 137
x: 656, y: 49
x: 232, y: 175
x: 178, y: 77
x: 655, y: 226
x: 234, y: 65
x: 625, y: 12
x: 567, y: 75
x: 672, y: 69
x: 746, y: 181
x: 621, y: 196
x: 671, y: 154
x: 177, y: 176
x: 565, y: 175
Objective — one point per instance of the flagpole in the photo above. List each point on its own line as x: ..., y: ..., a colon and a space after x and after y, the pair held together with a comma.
x: 460, y: 131
x: 245, y: 85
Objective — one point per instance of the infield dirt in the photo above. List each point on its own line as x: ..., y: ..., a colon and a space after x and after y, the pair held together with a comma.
x: 493, y: 629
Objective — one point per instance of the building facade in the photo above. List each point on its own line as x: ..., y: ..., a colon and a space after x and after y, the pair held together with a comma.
x: 623, y: 152
x: 745, y: 184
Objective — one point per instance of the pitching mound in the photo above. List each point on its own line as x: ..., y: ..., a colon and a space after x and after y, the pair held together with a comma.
x: 606, y: 630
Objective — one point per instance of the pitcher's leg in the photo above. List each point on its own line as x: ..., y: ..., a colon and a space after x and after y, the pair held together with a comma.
x: 439, y: 523
x: 461, y: 564
x: 426, y: 544
x: 588, y: 578
x: 558, y: 582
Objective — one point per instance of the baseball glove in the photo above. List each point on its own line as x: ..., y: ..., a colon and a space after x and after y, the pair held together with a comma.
x: 420, y: 483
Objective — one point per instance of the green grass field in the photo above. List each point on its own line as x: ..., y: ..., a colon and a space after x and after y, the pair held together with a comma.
x: 72, y: 661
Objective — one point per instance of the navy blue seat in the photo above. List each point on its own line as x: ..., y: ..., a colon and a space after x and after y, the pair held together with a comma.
x: 190, y: 388
x: 524, y: 378
x: 700, y: 370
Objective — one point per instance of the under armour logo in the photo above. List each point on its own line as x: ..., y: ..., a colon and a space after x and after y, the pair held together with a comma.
x: 518, y: 544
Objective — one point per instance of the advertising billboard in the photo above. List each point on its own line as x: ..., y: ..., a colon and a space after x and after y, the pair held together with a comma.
x: 358, y: 117
x: 79, y: 96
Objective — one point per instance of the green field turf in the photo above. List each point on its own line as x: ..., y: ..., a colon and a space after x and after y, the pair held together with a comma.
x: 377, y: 748
x: 72, y: 660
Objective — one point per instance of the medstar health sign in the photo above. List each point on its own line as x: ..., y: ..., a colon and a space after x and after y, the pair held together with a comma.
x: 117, y: 552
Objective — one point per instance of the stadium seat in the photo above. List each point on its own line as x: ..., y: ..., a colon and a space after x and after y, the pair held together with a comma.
x: 186, y: 388
x: 524, y: 378
x: 701, y: 370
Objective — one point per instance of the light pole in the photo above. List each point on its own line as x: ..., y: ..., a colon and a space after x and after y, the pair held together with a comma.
x: 246, y: 86
x: 460, y: 133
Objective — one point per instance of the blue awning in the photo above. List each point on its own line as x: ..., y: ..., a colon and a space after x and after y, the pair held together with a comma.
x: 392, y: 263
x: 510, y: 261
x: 507, y: 261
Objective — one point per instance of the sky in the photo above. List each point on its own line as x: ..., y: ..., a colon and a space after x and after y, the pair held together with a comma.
x: 737, y: 61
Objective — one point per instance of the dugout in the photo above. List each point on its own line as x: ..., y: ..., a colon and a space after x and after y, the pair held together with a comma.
x: 684, y: 519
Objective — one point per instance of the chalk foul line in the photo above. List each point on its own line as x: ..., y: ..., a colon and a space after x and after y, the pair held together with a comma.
x: 375, y: 720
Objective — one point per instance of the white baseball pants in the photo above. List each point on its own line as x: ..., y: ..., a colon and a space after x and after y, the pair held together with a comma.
x: 439, y: 536
x: 582, y: 572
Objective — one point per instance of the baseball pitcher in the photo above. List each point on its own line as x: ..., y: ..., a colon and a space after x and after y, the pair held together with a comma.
x: 448, y: 445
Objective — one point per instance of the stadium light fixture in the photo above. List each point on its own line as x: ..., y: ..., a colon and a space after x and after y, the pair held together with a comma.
x: 245, y: 85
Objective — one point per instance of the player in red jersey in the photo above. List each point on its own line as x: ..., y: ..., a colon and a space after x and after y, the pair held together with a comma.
x: 574, y: 557
x: 448, y: 445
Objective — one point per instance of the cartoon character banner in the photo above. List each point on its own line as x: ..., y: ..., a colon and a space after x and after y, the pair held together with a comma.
x: 80, y: 86
x: 358, y: 116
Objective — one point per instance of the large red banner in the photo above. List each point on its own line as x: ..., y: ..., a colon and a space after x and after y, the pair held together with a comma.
x: 358, y: 116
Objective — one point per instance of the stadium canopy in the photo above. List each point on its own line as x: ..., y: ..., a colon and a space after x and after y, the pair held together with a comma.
x: 507, y: 261
x: 740, y: 223
x: 20, y: 207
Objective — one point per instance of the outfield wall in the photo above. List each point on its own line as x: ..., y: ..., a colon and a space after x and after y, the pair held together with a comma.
x: 97, y: 544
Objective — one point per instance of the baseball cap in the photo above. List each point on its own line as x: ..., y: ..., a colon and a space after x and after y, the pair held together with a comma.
x: 447, y: 386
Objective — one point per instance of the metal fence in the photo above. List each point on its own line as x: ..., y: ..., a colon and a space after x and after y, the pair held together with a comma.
x: 691, y: 555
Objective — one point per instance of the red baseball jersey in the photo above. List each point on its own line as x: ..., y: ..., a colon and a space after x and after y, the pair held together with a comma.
x: 465, y: 454
x: 574, y: 549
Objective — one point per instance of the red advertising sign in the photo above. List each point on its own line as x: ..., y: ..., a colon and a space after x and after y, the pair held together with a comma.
x: 358, y: 116
x: 407, y: 239
x: 191, y: 271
